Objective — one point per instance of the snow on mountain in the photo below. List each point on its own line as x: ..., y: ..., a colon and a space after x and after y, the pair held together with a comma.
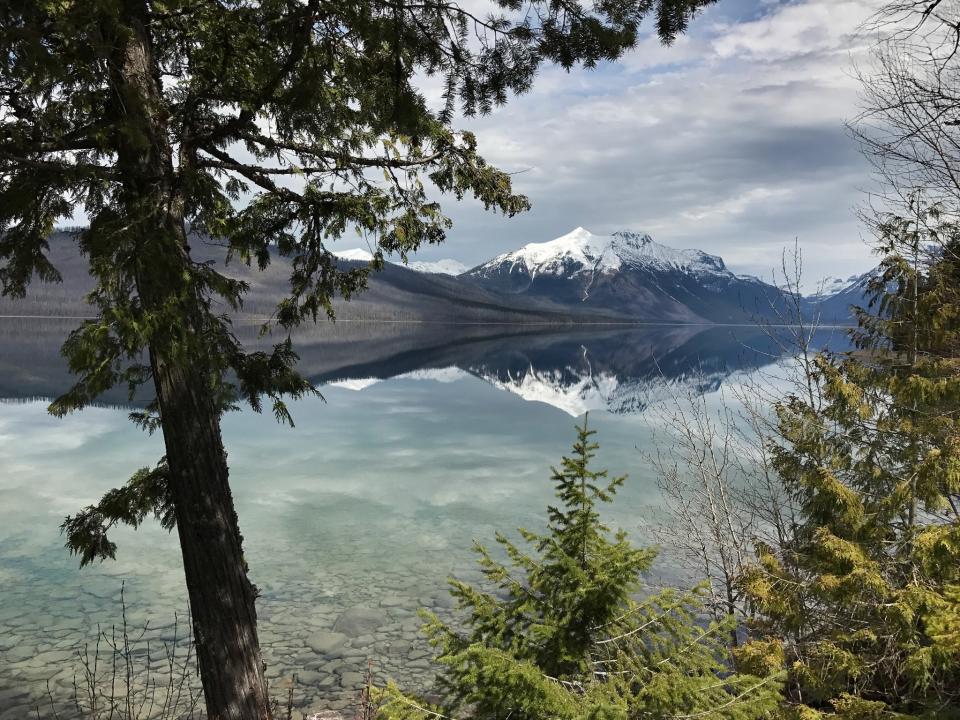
x: 355, y: 254
x: 441, y: 375
x: 440, y: 267
x: 574, y: 395
x: 355, y: 384
x: 575, y: 391
x: 443, y: 267
x: 628, y: 274
x: 830, y: 286
x: 836, y: 301
x: 582, y: 251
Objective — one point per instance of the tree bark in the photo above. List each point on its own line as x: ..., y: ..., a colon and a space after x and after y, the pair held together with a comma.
x: 222, y: 599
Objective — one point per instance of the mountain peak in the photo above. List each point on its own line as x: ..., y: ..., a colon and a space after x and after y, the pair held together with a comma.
x: 640, y: 239
x: 582, y: 251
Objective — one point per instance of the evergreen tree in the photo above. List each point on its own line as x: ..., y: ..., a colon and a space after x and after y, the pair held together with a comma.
x: 866, y: 592
x: 559, y: 632
x: 274, y: 127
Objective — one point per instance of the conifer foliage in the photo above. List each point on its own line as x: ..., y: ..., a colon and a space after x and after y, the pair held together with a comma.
x: 559, y: 632
x: 866, y: 592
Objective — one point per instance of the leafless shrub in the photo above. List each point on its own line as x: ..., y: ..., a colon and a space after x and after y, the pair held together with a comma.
x: 126, y: 674
x: 909, y: 125
x: 720, y: 491
x: 699, y: 473
x: 369, y: 699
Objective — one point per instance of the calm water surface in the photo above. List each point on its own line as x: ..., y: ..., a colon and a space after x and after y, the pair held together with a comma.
x: 427, y: 438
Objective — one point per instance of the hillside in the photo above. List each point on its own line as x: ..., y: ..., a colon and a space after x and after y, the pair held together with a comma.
x: 396, y: 293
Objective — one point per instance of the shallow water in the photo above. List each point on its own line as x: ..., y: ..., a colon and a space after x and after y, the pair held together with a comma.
x: 427, y: 439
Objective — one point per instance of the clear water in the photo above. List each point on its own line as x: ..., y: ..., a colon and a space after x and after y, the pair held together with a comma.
x: 427, y: 439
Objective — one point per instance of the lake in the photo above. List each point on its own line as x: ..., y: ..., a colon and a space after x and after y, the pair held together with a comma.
x: 427, y: 437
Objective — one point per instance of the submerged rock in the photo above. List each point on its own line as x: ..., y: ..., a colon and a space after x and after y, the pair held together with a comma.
x: 310, y: 677
x: 359, y: 621
x: 394, y: 601
x: 350, y: 680
x: 326, y: 643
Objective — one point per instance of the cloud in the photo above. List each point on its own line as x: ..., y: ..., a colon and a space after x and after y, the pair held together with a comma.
x: 739, y: 204
x: 797, y: 29
x: 732, y: 140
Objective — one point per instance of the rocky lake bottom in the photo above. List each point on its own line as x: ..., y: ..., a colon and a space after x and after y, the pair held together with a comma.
x: 318, y: 639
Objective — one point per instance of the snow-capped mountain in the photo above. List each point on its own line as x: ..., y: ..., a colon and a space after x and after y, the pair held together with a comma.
x: 835, y: 303
x: 441, y: 267
x: 438, y: 267
x: 632, y: 275
x: 355, y: 254
x: 580, y: 252
x: 625, y: 276
x: 830, y: 286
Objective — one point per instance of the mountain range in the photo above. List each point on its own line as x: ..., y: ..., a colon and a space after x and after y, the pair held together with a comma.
x: 630, y: 274
x: 577, y: 278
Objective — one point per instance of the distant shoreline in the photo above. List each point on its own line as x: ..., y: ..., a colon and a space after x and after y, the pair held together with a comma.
x: 544, y: 323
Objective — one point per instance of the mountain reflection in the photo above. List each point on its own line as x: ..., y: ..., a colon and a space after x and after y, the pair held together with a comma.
x: 621, y: 369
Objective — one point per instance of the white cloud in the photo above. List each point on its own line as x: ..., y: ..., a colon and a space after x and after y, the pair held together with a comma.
x: 731, y: 139
x: 738, y: 204
x: 797, y: 29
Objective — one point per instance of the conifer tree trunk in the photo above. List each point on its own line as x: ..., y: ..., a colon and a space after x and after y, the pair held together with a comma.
x: 221, y: 596
x: 222, y: 600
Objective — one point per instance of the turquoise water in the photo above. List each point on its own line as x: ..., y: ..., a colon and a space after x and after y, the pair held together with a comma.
x: 354, y: 518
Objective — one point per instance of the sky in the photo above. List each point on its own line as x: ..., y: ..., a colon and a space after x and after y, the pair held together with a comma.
x: 731, y: 141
